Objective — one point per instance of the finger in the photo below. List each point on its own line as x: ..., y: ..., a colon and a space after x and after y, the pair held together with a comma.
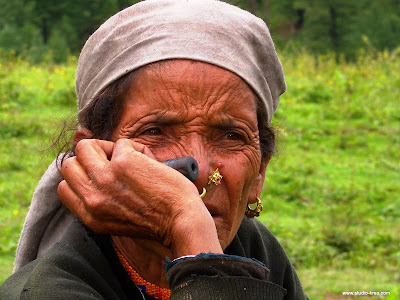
x: 77, y: 206
x: 76, y: 177
x: 134, y: 164
x: 71, y: 200
x: 130, y: 158
x: 106, y: 146
x: 72, y: 170
x: 93, y: 155
x: 127, y: 146
x: 100, y: 147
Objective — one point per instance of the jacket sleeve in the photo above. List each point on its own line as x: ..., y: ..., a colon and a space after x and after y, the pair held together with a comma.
x: 211, y: 276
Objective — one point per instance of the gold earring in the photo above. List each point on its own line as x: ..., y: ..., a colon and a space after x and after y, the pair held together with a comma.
x: 251, y: 213
x: 215, y: 177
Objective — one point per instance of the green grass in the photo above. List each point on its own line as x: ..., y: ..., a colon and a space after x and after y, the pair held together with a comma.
x: 332, y: 193
x: 318, y: 281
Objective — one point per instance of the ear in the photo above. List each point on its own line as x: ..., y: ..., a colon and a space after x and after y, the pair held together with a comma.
x: 255, y: 190
x: 80, y: 134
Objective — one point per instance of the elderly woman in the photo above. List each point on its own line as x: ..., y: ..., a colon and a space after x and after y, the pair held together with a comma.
x: 162, y: 80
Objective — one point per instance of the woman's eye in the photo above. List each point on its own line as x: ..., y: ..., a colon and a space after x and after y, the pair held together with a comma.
x: 152, y: 131
x: 234, y: 136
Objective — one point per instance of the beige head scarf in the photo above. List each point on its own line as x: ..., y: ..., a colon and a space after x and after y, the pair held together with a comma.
x: 204, y: 30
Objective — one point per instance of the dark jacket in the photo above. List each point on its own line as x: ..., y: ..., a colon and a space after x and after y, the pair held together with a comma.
x: 83, y: 265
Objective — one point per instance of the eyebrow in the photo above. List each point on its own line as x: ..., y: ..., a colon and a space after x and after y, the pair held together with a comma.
x: 163, y: 119
x: 175, y: 119
x: 232, y: 124
x: 226, y: 124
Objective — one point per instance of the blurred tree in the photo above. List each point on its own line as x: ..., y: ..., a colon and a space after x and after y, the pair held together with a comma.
x: 75, y: 19
x: 16, y: 31
x: 345, y: 27
x: 337, y: 25
x: 60, y: 27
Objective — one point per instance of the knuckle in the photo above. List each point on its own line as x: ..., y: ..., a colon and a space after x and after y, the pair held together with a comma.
x: 121, y: 164
x: 91, y: 222
x: 94, y: 216
x: 122, y: 142
x: 118, y: 162
x: 81, y: 145
x: 67, y: 164
x: 97, y: 206
x: 94, y: 205
x: 105, y: 179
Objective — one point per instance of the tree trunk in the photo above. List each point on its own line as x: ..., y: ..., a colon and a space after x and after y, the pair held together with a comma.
x: 253, y: 7
x: 333, y: 32
x: 45, y: 30
x: 266, y: 11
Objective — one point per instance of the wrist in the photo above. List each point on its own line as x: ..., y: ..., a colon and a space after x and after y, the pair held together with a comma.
x: 195, y: 233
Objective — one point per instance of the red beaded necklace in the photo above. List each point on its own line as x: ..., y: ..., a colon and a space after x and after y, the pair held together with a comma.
x: 147, y: 287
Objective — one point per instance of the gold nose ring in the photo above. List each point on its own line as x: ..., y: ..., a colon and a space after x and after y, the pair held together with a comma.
x: 215, y: 177
x: 203, y: 194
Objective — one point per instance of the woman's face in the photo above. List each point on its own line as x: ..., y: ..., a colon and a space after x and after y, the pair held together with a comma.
x: 186, y: 108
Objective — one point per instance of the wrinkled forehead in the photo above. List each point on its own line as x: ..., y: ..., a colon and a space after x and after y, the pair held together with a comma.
x: 183, y: 92
x: 193, y: 84
x: 197, y: 75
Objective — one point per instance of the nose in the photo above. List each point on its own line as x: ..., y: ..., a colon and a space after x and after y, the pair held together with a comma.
x: 187, y: 165
x: 204, y: 172
x: 197, y: 148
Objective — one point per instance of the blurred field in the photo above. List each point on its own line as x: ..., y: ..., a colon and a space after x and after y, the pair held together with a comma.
x: 332, y: 193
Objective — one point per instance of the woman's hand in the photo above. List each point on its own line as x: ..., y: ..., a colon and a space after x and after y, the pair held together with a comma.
x: 120, y: 189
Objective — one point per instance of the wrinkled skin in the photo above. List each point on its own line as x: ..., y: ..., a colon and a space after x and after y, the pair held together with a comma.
x: 174, y: 108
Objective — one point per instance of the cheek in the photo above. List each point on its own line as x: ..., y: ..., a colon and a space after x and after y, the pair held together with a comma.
x: 243, y: 170
x: 240, y: 175
x: 239, y: 179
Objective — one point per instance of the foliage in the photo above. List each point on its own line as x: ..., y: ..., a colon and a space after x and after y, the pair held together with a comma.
x: 32, y: 98
x: 347, y: 28
x: 335, y: 179
x: 344, y: 27
x: 331, y: 194
x: 58, y: 29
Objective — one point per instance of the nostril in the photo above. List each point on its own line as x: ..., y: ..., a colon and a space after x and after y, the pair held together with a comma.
x: 187, y: 165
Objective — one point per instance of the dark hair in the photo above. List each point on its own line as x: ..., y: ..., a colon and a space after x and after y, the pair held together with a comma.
x: 103, y: 116
x: 266, y: 131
